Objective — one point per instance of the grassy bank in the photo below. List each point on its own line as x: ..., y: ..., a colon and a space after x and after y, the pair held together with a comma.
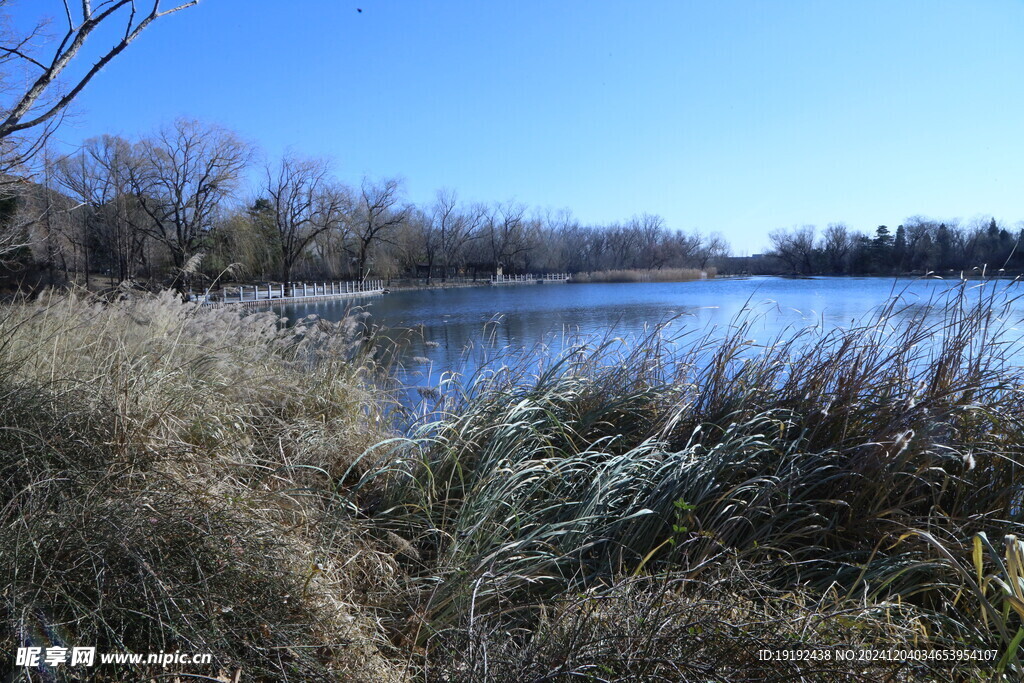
x: 177, y: 478
x: 648, y: 275
x: 167, y: 479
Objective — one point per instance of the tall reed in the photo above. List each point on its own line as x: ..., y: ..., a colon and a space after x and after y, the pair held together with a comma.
x: 645, y: 275
x: 820, y: 458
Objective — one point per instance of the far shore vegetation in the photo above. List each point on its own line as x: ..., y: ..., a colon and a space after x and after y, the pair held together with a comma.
x: 647, y: 275
x: 126, y: 213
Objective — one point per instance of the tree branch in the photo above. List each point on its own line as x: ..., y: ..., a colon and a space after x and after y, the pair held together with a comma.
x: 67, y: 51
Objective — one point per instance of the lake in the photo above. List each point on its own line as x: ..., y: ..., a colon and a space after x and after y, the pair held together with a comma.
x: 445, y: 322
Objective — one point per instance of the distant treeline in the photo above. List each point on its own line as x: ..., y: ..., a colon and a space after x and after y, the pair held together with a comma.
x: 173, y: 208
x: 919, y: 245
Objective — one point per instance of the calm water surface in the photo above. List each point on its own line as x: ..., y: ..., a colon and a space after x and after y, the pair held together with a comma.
x: 446, y: 322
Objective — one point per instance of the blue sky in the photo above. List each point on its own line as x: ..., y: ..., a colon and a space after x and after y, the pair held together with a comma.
x: 719, y: 115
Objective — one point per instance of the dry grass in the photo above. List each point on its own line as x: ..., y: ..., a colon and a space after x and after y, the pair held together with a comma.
x: 650, y: 275
x: 167, y: 480
x: 669, y: 628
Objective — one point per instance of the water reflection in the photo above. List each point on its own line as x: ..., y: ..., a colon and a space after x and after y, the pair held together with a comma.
x: 448, y: 330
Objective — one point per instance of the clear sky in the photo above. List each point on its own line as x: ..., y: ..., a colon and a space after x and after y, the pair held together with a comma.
x: 719, y: 115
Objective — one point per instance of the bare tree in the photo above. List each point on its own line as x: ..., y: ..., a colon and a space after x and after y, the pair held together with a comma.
x: 464, y: 231
x: 795, y: 248
x: 417, y: 242
x: 648, y: 231
x: 97, y: 177
x: 428, y: 230
x: 449, y: 230
x: 183, y: 174
x: 378, y: 216
x: 622, y: 246
x: 558, y: 237
x: 304, y: 203
x: 836, y: 245
x: 49, y: 219
x: 712, y: 247
x: 333, y: 249
x: 507, y: 233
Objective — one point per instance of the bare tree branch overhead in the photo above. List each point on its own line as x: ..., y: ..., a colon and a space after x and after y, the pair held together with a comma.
x: 36, y: 103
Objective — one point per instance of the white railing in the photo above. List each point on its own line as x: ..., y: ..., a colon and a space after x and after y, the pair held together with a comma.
x: 291, y: 291
x: 529, y: 279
